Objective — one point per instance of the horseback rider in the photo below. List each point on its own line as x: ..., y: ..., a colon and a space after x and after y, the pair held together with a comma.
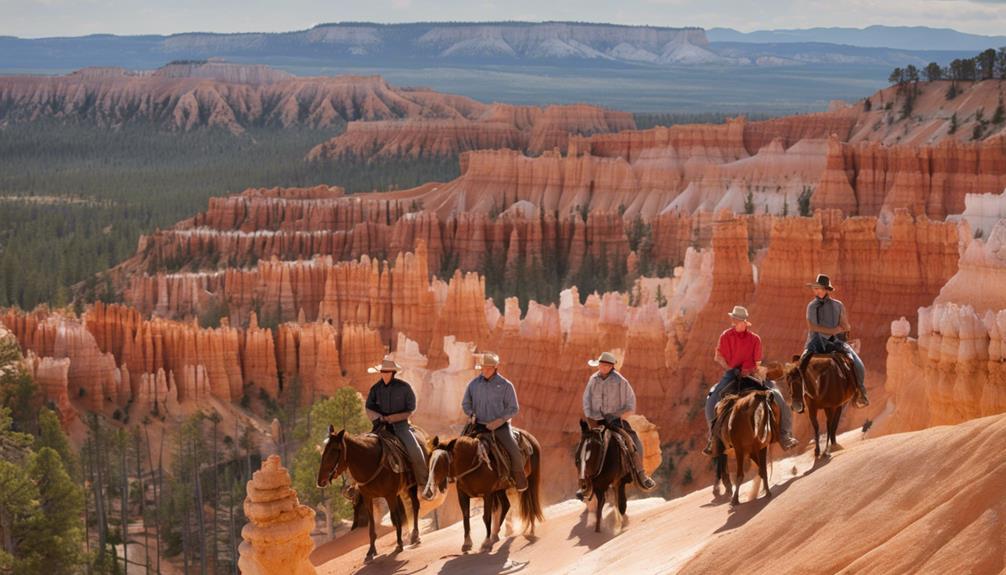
x: 739, y: 354
x: 391, y: 402
x: 828, y: 330
x: 490, y: 401
x: 607, y: 398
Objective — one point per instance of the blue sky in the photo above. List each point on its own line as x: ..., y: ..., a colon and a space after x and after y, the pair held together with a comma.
x: 35, y: 18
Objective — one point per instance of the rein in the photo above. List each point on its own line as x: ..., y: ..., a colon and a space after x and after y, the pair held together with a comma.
x: 343, y: 465
x: 450, y: 463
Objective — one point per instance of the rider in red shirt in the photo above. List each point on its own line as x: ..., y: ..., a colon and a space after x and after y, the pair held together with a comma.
x: 739, y: 353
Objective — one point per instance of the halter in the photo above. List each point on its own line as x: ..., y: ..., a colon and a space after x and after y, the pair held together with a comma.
x: 450, y: 462
x: 343, y: 465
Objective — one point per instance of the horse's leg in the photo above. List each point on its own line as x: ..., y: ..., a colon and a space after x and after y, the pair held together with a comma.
x: 368, y: 504
x: 834, y: 429
x: 599, y: 496
x: 741, y: 461
x: 763, y: 469
x: 504, y: 502
x: 488, y: 505
x: 719, y: 477
x: 414, y: 495
x: 397, y: 509
x: 466, y: 505
x: 723, y: 470
x: 812, y: 413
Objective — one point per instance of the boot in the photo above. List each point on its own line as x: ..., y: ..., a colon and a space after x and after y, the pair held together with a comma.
x: 519, y: 480
x: 787, y: 441
x: 861, y: 399
x: 709, y: 446
x: 644, y: 481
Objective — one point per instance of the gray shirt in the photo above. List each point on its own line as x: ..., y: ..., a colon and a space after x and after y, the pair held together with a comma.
x: 825, y: 312
x: 610, y: 395
x: 490, y: 399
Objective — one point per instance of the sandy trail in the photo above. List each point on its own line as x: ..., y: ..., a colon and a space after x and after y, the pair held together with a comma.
x: 660, y: 537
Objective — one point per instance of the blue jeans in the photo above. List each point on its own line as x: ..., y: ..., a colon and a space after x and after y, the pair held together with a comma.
x: 819, y: 343
x: 716, y: 391
x: 416, y: 457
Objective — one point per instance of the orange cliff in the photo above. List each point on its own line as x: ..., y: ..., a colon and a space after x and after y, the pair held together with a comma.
x: 528, y: 128
x: 955, y: 369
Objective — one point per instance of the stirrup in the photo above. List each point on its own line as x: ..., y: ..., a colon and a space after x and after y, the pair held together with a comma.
x: 862, y: 400
x: 709, y: 447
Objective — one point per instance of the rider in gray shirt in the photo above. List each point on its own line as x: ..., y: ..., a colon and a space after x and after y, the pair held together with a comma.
x: 491, y: 401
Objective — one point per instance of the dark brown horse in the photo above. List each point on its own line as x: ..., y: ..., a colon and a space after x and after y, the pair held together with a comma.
x: 601, y: 465
x: 362, y: 456
x: 461, y: 460
x: 751, y: 427
x: 829, y: 386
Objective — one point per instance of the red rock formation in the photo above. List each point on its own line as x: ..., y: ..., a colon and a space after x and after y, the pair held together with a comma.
x: 526, y: 128
x: 186, y: 101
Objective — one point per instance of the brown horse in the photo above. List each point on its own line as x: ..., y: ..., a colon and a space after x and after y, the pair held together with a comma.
x: 601, y: 468
x: 362, y: 456
x: 752, y: 426
x: 829, y: 386
x: 461, y: 460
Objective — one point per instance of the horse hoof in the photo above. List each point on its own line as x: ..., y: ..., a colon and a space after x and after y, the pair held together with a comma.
x: 415, y: 541
x: 369, y: 557
x: 836, y: 447
x: 487, y: 546
x: 399, y: 548
x: 466, y: 547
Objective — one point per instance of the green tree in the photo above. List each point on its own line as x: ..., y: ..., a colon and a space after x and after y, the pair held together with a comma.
x: 344, y: 410
x: 933, y: 72
x: 53, y: 535
x: 51, y: 435
x: 18, y: 503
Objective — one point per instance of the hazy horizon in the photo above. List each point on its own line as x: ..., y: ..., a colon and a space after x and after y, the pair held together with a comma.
x: 49, y: 18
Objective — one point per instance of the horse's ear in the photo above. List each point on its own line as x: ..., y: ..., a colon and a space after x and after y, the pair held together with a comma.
x: 583, y: 426
x: 436, y: 441
x: 796, y: 358
x: 331, y: 429
x: 339, y: 435
x: 450, y: 445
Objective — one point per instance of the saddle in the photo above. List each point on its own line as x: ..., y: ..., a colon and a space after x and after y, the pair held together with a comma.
x: 393, y: 454
x: 626, y: 448
x: 492, y: 453
x: 740, y: 387
x: 841, y: 359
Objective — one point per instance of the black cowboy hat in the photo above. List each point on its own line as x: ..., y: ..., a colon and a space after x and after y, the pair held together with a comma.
x: 823, y: 281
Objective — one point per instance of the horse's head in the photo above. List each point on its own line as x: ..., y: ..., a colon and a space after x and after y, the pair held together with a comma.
x: 588, y: 454
x: 440, y: 467
x: 794, y: 378
x: 333, y: 457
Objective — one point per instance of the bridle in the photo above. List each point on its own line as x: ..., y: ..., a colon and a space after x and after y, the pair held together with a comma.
x: 343, y: 464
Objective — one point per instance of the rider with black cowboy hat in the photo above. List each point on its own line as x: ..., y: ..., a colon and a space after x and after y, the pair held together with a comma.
x: 391, y: 402
x: 491, y: 401
x: 607, y: 398
x: 739, y: 353
x: 828, y: 330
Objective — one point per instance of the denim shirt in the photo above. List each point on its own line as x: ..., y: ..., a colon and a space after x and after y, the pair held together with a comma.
x: 490, y: 399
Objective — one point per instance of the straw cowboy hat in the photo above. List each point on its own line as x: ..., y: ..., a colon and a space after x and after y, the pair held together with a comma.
x: 740, y: 313
x: 387, y: 364
x: 823, y: 282
x: 606, y: 357
x: 488, y: 359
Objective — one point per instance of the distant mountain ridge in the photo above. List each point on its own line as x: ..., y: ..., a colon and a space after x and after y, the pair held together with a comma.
x: 895, y: 37
x: 490, y: 43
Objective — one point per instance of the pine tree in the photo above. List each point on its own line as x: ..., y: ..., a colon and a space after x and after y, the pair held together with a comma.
x: 344, y: 410
x: 53, y: 535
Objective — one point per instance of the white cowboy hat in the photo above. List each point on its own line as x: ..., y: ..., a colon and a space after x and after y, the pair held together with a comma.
x: 387, y: 364
x: 487, y: 359
x: 606, y: 357
x: 739, y: 313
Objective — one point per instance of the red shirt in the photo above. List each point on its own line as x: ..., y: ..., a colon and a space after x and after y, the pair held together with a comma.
x: 740, y: 348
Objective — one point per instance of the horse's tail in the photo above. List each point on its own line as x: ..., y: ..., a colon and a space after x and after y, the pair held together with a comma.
x: 762, y: 423
x: 530, y: 498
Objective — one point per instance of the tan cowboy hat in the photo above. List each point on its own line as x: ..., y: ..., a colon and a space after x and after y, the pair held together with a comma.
x: 387, y: 364
x: 606, y: 357
x: 823, y: 282
x: 488, y: 359
x: 739, y: 313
